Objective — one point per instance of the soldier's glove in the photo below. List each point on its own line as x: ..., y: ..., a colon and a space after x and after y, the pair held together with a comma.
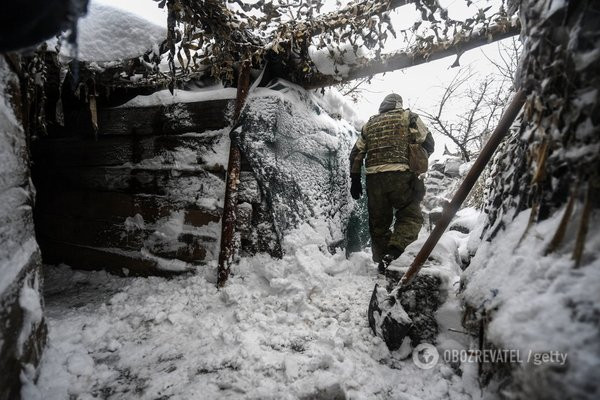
x: 356, y: 188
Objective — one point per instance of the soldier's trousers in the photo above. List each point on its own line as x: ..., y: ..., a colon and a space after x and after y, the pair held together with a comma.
x: 388, y: 192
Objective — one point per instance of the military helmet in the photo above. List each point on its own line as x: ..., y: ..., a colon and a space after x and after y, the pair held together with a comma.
x: 390, y: 102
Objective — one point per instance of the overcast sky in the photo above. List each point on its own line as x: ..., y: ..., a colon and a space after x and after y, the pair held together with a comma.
x: 420, y: 86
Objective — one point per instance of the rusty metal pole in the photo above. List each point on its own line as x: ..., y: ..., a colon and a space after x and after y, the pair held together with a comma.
x: 233, y: 178
x: 450, y: 210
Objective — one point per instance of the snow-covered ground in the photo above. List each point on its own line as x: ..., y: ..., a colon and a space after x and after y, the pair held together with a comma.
x: 541, y: 304
x: 282, y: 328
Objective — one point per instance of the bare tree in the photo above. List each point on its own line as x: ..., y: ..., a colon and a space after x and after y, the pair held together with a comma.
x: 509, y: 52
x: 484, y: 98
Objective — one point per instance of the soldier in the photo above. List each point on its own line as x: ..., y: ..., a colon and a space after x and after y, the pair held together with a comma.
x: 391, y: 185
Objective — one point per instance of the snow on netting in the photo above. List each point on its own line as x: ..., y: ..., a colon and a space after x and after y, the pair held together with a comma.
x: 299, y: 154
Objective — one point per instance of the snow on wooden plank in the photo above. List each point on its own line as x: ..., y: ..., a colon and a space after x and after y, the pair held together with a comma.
x: 164, y: 120
x: 188, y: 186
x: 116, y: 207
x: 88, y: 232
x: 120, y: 262
x: 125, y: 235
x: 12, y: 356
x: 101, y: 205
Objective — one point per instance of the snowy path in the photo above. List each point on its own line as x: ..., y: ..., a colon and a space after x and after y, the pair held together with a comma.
x: 281, y: 329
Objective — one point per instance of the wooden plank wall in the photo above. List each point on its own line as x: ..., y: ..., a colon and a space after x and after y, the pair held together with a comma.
x: 123, y: 199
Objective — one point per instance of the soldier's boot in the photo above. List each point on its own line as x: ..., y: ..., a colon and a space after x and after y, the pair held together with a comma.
x: 392, y: 253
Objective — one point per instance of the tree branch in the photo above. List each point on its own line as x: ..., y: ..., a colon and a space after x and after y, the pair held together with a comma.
x: 396, y: 61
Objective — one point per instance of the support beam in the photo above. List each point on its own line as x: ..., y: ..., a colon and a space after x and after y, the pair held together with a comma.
x: 400, y: 60
x: 233, y: 179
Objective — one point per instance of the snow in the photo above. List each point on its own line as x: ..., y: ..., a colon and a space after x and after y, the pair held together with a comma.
x: 281, y: 328
x: 466, y: 220
x: 12, y: 266
x: 538, y: 302
x: 337, y: 61
x: 164, y: 97
x: 337, y: 105
x: 165, y: 239
x: 8, y: 120
x: 108, y: 34
x: 167, y: 264
x: 31, y: 305
x: 331, y: 100
x: 12, y: 142
x: 299, y: 153
x: 18, y: 247
x: 134, y: 223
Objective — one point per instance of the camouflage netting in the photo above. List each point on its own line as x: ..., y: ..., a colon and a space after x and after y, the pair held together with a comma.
x: 557, y: 148
x: 298, y: 154
x: 548, y: 166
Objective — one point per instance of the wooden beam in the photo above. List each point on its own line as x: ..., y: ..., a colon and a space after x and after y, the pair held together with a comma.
x: 401, y: 60
x: 228, y: 223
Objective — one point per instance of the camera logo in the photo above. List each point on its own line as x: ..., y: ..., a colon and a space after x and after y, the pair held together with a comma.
x: 425, y: 356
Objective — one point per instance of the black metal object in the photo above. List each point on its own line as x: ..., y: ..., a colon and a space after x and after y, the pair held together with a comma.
x: 391, y: 330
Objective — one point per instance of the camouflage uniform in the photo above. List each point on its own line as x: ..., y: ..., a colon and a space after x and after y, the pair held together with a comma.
x: 390, y: 184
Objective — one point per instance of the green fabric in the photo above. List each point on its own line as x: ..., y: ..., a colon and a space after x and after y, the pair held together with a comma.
x: 357, y: 232
x: 388, y: 192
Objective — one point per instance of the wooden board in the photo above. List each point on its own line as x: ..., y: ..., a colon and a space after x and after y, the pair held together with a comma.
x: 154, y: 120
x: 116, y: 207
x: 180, y: 186
x: 114, y: 150
x: 88, y: 232
x: 107, y: 234
x: 89, y: 185
x: 92, y: 258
